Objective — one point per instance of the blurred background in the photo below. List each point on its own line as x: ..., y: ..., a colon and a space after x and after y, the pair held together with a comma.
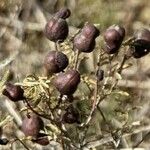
x: 23, y: 44
x: 22, y: 23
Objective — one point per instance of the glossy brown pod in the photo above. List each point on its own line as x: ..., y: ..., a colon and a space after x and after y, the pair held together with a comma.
x: 85, y: 40
x: 13, y: 92
x: 4, y: 141
x: 66, y: 83
x: 31, y: 125
x: 41, y: 139
x: 84, y: 44
x: 113, y: 37
x: 55, y: 62
x: 56, y: 29
x: 63, y: 13
x: 71, y: 116
x: 90, y: 31
x: 100, y: 74
x: 141, y: 44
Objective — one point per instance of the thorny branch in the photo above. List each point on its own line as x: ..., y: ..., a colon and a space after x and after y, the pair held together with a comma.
x: 108, y: 139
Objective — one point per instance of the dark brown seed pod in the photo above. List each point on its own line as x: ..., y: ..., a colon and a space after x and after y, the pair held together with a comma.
x: 100, y: 74
x: 84, y: 44
x: 56, y: 29
x: 142, y: 36
x: 66, y: 83
x: 90, y: 31
x: 138, y: 51
x: 63, y: 13
x: 85, y: 40
x: 141, y: 44
x: 55, y: 62
x: 13, y: 92
x: 4, y: 141
x: 113, y: 37
x: 42, y: 139
x: 31, y: 125
x: 71, y: 116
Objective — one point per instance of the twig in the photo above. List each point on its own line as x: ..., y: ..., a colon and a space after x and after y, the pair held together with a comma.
x: 122, y: 64
x: 138, y: 143
x: 95, y: 102
x: 84, y: 136
x: 123, y: 140
x: 12, y: 112
x: 110, y: 58
x: 76, y: 59
x: 110, y: 139
x: 17, y: 139
x: 128, y: 41
x: 102, y: 114
x: 23, y: 144
x: 63, y: 144
x: 56, y: 49
x: 41, y: 115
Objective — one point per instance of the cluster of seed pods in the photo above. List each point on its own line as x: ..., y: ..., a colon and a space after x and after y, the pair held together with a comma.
x: 139, y: 47
x: 66, y: 82
x: 31, y: 124
x: 67, y: 79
